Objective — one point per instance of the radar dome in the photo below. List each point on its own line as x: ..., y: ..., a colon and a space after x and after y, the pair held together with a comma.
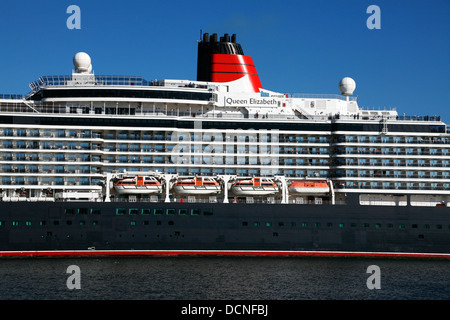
x: 82, y: 62
x: 347, y: 86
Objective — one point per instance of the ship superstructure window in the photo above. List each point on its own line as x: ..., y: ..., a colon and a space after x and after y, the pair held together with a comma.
x: 121, y: 93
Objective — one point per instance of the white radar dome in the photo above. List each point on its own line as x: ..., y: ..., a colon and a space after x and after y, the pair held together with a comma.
x: 82, y: 62
x: 347, y: 86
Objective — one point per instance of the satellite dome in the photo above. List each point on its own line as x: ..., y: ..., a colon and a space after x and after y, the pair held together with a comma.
x: 82, y: 62
x: 347, y: 85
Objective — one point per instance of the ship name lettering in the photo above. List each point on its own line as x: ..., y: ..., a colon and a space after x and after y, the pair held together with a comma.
x: 262, y: 101
x: 236, y: 101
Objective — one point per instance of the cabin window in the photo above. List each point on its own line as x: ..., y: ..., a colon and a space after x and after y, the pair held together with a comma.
x: 146, y: 211
x: 82, y: 210
x: 133, y: 211
x: 195, y: 212
x: 69, y: 211
x: 120, y: 211
x: 268, y: 224
x: 95, y: 210
x: 182, y: 212
x: 170, y: 211
x: 208, y: 212
x: 158, y: 211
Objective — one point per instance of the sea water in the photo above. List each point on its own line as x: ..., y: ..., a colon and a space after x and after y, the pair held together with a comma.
x: 224, y: 278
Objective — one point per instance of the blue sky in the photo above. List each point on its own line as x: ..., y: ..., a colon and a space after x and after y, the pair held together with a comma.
x: 297, y: 46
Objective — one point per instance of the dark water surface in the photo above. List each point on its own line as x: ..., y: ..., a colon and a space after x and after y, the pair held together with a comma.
x: 224, y: 278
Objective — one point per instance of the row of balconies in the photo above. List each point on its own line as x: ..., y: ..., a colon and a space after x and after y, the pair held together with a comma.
x: 396, y: 151
x: 36, y: 169
x: 239, y: 158
x: 238, y: 137
x: 392, y: 139
x: 160, y: 136
x: 392, y: 162
x: 395, y: 185
x: 56, y: 181
x: 391, y: 175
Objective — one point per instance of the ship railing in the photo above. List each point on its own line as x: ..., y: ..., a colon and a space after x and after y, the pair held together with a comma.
x: 406, y: 187
x: 115, y: 80
x: 254, y: 200
x: 321, y: 96
x: 12, y: 96
x: 22, y: 106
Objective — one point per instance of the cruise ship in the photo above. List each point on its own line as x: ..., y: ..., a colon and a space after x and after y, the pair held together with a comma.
x: 98, y: 164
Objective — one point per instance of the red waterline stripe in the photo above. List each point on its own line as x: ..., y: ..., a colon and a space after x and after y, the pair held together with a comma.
x: 97, y: 253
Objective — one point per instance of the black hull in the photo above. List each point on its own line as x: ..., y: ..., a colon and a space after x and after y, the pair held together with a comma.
x: 31, y: 226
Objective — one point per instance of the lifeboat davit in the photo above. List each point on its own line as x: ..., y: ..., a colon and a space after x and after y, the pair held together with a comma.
x: 138, y: 185
x: 309, y: 187
x: 197, y: 185
x: 255, y: 187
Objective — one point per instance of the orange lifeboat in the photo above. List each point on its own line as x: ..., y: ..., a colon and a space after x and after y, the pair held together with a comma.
x: 254, y: 187
x: 197, y: 185
x: 138, y: 185
x: 309, y: 187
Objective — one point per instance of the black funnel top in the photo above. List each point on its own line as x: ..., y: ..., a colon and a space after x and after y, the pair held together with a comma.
x: 209, y: 46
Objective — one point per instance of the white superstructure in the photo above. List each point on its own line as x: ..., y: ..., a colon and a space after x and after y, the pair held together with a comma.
x: 73, y: 137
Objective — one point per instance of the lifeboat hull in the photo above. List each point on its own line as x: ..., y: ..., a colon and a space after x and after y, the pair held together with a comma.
x: 309, y: 190
x: 253, y: 191
x: 193, y: 190
x: 135, y: 189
